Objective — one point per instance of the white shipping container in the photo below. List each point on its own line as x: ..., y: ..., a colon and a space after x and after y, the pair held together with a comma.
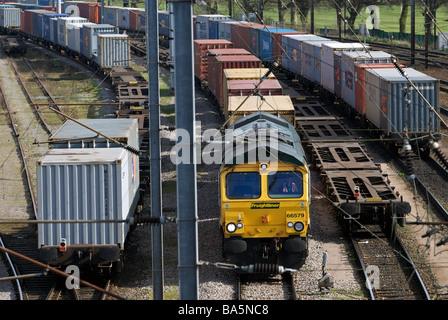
x: 114, y: 50
x: 85, y: 184
x: 9, y: 17
x: 62, y: 28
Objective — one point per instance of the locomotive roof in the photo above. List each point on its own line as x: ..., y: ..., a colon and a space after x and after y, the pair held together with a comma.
x: 289, y: 148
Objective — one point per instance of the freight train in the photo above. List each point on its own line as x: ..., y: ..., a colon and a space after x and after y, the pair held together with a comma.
x: 259, y: 226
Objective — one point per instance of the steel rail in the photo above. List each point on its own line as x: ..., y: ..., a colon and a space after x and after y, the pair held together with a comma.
x: 13, y: 270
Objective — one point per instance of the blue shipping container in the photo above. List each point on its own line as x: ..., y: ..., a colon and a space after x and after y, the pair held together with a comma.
x: 46, y: 24
x: 265, y: 42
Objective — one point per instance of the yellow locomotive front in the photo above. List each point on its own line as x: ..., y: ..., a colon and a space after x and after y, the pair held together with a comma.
x: 265, y: 204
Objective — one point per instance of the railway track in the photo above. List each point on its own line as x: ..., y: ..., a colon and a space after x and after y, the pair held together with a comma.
x: 387, y: 266
x: 370, y: 241
x: 260, y: 287
x: 21, y: 238
x: 27, y: 127
x: 59, y: 291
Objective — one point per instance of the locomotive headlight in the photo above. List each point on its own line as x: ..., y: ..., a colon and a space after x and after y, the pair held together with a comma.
x: 239, y: 225
x: 298, y: 226
x: 290, y: 224
x: 231, y: 227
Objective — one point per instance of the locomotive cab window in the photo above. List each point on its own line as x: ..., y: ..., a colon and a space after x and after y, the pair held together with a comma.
x: 285, y: 185
x: 243, y: 185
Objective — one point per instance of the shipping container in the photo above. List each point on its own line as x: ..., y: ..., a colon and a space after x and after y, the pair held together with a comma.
x: 218, y: 63
x: 137, y: 20
x: 268, y: 49
x: 292, y: 54
x: 71, y: 8
x: 329, y: 49
x: 124, y: 18
x: 203, y: 24
x: 214, y: 32
x: 89, y: 37
x: 62, y: 28
x: 95, y: 12
x: 246, y: 74
x: 10, y: 17
x: 312, y: 60
x: 241, y: 34
x: 85, y: 184
x: 73, y: 135
x: 225, y: 27
x: 74, y: 37
x: 46, y: 21
x: 111, y: 15
x: 200, y: 51
x: 84, y: 10
x: 386, y: 104
x: 114, y: 50
x: 347, y: 70
x: 268, y: 87
x: 280, y: 106
x: 360, y: 84
x: 164, y: 23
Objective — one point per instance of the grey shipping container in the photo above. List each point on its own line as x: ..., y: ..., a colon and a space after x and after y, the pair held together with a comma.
x: 328, y: 56
x: 292, y: 45
x: 386, y: 102
x: 85, y: 184
x: 74, y: 35
x: 62, y: 28
x: 9, y: 17
x: 90, y: 33
x: 347, y: 72
x: 312, y: 60
x: 74, y: 135
x: 114, y: 50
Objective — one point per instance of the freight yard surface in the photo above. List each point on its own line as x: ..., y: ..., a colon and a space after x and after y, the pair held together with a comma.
x: 249, y: 218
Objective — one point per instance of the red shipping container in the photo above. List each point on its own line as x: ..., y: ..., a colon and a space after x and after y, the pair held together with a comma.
x: 269, y: 87
x: 218, y: 63
x: 360, y: 86
x: 22, y: 19
x: 241, y: 34
x: 201, y: 47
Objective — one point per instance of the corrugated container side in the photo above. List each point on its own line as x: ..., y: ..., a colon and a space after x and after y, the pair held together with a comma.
x: 10, y: 17
x: 328, y: 55
x: 62, y: 28
x: 84, y: 11
x: 277, y: 44
x: 311, y: 60
x: 293, y: 50
x: 348, y: 61
x: 111, y: 15
x: 219, y: 63
x: 266, y: 42
x: 254, y: 41
x: 124, y: 18
x: 91, y: 184
x: 47, y: 35
x: 74, y: 37
x: 386, y: 106
x: 360, y: 85
x: 241, y: 35
x: 114, y: 50
x: 201, y: 47
x: 89, y: 47
x: 95, y: 12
